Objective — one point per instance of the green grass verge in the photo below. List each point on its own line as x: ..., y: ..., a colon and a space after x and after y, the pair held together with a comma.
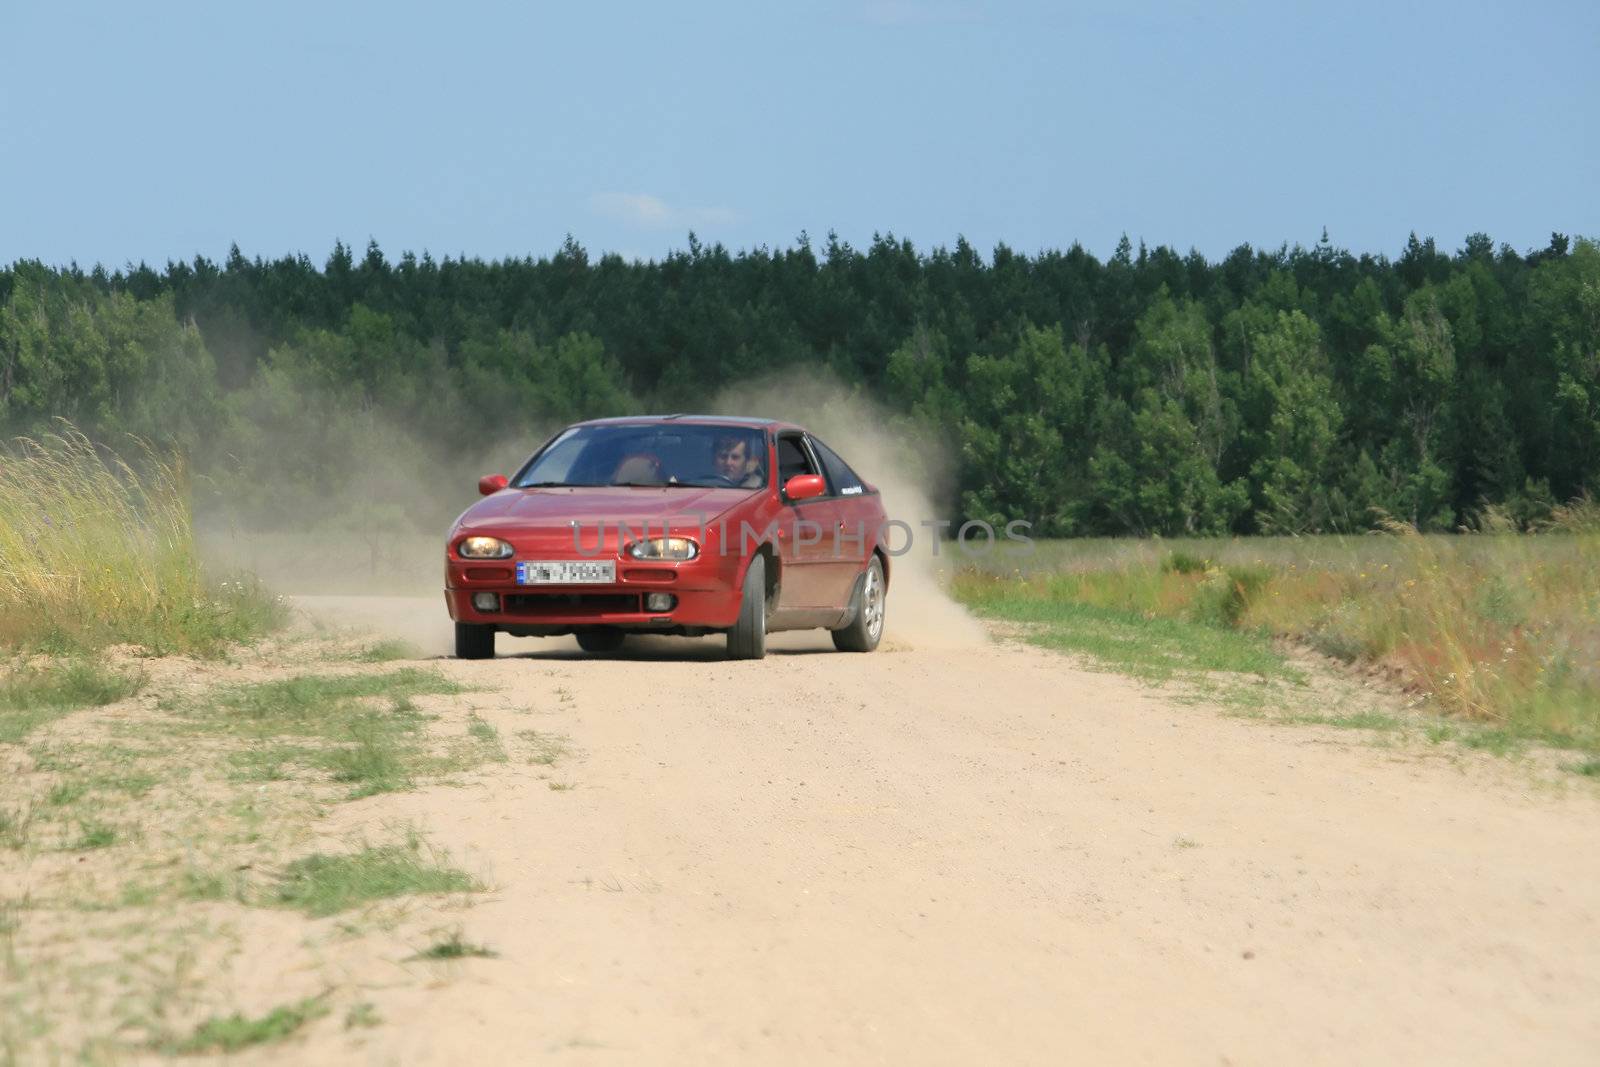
x: 33, y: 696
x: 334, y: 723
x: 325, y: 884
x: 304, y: 704
x: 1154, y: 650
x: 1500, y: 631
x: 236, y: 1032
x: 1361, y: 720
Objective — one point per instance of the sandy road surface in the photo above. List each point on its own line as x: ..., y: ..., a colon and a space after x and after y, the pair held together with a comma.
x: 984, y: 855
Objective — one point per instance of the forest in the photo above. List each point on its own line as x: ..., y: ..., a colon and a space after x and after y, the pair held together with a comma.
x: 1295, y: 390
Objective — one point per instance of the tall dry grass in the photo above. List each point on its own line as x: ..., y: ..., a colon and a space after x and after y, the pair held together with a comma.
x: 1494, y: 626
x: 95, y: 550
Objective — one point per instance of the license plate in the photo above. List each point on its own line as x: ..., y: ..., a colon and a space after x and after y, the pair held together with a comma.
x: 565, y: 572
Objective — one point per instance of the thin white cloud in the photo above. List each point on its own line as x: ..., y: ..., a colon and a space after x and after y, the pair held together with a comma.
x: 652, y: 213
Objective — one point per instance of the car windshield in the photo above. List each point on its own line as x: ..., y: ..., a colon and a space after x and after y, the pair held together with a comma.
x: 654, y: 454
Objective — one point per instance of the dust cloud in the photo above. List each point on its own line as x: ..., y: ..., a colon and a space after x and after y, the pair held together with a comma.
x: 352, y: 525
x: 910, y: 467
x: 346, y: 513
x: 363, y: 512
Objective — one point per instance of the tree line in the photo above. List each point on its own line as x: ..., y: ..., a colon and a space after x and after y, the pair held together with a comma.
x: 1289, y: 390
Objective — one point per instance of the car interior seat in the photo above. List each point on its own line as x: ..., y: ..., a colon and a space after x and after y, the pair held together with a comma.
x: 638, y: 467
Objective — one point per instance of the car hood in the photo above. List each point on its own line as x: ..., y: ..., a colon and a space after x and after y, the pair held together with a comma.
x: 510, y: 510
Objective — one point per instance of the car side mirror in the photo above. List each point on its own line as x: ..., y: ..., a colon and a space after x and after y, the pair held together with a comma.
x: 804, y: 486
x: 491, y: 483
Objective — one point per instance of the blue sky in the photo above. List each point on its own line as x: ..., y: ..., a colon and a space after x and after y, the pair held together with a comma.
x: 133, y: 132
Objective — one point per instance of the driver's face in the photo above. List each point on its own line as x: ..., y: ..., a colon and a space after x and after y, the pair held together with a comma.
x: 731, y: 461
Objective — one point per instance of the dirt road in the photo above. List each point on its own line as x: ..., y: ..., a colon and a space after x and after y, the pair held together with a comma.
x: 984, y: 855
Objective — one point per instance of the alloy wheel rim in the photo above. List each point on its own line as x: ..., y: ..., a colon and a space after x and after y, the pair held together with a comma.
x: 874, y: 602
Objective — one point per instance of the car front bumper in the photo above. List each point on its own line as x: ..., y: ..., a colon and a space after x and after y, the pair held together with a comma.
x: 706, y: 590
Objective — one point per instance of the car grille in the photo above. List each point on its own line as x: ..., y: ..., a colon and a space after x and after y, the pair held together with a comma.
x: 571, y: 605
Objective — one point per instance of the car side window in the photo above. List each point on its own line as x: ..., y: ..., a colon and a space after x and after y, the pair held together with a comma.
x: 841, y: 478
x: 792, y: 459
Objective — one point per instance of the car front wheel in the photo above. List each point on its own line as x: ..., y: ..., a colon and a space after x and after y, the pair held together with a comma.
x: 474, y: 641
x: 748, y: 638
x: 866, y: 623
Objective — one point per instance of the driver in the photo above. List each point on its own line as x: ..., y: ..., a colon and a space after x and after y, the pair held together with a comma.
x: 733, y: 462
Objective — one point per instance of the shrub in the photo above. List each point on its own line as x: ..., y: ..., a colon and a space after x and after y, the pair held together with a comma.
x: 1225, y: 596
x: 1184, y: 563
x: 96, y: 552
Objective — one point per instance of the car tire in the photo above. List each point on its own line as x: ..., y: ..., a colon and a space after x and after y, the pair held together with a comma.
x: 868, y: 607
x: 474, y: 641
x: 600, y: 640
x: 748, y: 638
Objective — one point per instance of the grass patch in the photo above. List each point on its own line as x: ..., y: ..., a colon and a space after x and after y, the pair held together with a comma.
x: 1501, y: 630
x: 1361, y: 720
x: 387, y: 651
x: 487, y: 737
x: 33, y: 696
x: 543, y: 749
x: 16, y: 829
x: 101, y: 551
x: 1588, y: 768
x: 339, y: 722
x: 93, y: 834
x: 267, y: 762
x: 378, y: 758
x: 1496, y: 742
x: 137, y: 895
x: 314, y: 704
x: 190, y: 884
x: 1184, y: 563
x: 340, y: 726
x: 133, y: 783
x: 1154, y: 650
x: 72, y: 791
x: 64, y: 794
x: 235, y: 1032
x: 454, y: 947
x: 204, y: 885
x: 325, y: 884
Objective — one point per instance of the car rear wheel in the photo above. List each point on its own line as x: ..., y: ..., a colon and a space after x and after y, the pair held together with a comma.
x: 474, y: 641
x: 866, y: 623
x: 600, y: 640
x: 748, y: 638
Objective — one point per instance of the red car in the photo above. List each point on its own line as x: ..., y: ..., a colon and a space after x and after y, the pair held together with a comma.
x: 676, y: 524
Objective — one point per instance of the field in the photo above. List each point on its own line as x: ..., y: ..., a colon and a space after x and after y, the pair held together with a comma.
x: 1498, y: 634
x: 1266, y: 772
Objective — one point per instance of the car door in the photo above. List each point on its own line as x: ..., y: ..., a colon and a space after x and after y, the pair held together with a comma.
x: 849, y: 533
x: 805, y: 532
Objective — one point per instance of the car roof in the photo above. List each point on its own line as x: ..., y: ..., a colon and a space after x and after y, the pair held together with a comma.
x: 697, y: 420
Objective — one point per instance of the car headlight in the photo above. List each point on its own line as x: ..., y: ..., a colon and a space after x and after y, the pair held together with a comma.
x: 484, y: 548
x: 664, y: 548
